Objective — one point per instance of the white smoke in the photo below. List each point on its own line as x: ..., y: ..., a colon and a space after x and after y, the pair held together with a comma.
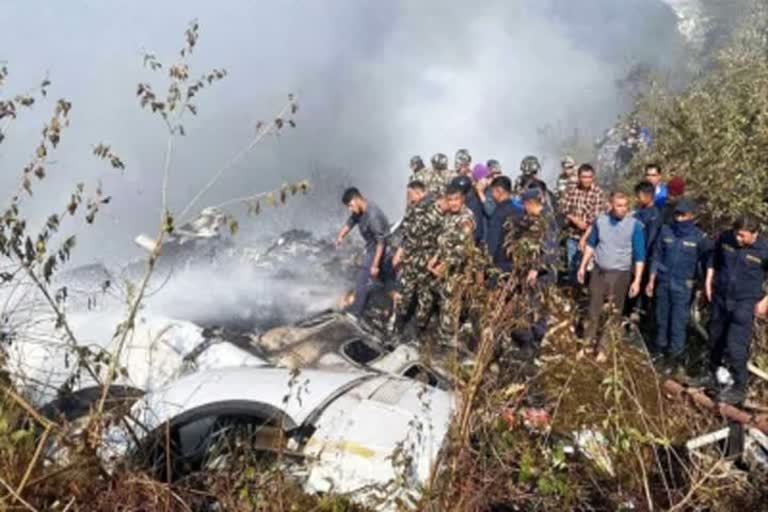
x: 377, y: 82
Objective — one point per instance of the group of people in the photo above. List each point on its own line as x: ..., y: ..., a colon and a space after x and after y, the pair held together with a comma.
x: 647, y: 260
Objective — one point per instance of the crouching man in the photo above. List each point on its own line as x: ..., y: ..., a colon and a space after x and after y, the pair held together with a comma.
x: 736, y: 273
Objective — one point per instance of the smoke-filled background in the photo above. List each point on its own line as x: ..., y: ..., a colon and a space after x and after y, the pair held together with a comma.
x: 377, y: 82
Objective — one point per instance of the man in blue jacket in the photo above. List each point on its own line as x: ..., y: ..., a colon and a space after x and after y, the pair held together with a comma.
x: 736, y: 272
x: 501, y: 189
x: 681, y: 251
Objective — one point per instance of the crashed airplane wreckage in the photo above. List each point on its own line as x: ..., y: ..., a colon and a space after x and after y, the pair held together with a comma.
x: 325, y: 390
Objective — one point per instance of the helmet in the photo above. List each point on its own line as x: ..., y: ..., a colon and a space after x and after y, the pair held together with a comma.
x: 568, y: 161
x: 530, y: 165
x: 463, y: 157
x: 462, y: 182
x: 439, y: 161
x: 417, y: 162
x: 493, y: 165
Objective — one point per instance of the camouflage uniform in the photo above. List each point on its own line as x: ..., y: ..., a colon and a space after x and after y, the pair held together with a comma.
x: 420, y: 228
x: 435, y: 180
x: 455, y: 242
x: 531, y: 244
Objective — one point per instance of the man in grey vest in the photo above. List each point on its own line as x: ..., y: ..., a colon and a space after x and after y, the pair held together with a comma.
x: 617, y: 242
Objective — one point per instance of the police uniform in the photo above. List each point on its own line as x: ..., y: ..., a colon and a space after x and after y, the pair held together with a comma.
x: 740, y: 274
x: 680, y: 250
x: 421, y: 227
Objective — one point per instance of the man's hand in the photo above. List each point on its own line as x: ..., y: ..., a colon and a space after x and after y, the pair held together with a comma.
x: 761, y: 308
x: 582, y: 244
x: 581, y: 274
x: 649, y: 289
x: 708, y: 290
x: 634, y: 289
x: 480, y: 187
x: 577, y: 221
x: 339, y: 241
x: 374, y: 271
x: 438, y: 270
x: 530, y: 279
x: 397, y: 258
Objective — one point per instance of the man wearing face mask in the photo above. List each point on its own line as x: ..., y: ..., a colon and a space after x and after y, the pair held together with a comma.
x: 735, y: 285
x: 680, y: 252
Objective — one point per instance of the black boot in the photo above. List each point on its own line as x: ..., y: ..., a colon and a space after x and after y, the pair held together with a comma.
x: 733, y: 395
x: 707, y: 380
x: 673, y: 365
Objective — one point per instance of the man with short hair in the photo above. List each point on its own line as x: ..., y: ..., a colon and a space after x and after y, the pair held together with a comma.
x: 420, y: 228
x: 653, y: 175
x: 472, y: 201
x: 681, y: 250
x: 501, y: 190
x: 454, y: 244
x: 647, y: 213
x: 374, y: 229
x: 580, y: 207
x: 735, y: 285
x: 617, y: 242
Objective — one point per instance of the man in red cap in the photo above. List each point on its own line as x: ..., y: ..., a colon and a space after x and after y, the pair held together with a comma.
x: 675, y: 192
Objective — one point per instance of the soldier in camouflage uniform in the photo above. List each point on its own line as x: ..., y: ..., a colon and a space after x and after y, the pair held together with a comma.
x: 416, y: 165
x: 454, y: 245
x: 420, y: 228
x: 462, y: 162
x: 531, y: 245
x: 437, y: 177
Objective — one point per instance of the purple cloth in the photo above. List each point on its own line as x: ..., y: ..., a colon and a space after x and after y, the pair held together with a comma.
x: 479, y: 172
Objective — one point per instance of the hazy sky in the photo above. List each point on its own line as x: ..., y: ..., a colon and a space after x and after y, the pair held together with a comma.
x: 377, y: 82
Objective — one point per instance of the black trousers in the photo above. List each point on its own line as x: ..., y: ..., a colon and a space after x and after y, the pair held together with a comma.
x: 730, y: 333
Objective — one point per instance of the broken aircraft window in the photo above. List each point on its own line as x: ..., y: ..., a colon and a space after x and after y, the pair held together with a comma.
x: 422, y: 374
x: 361, y: 352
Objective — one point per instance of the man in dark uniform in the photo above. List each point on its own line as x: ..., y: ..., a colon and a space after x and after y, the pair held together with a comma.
x: 736, y: 273
x: 501, y: 189
x: 647, y: 213
x: 374, y: 228
x: 681, y: 250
